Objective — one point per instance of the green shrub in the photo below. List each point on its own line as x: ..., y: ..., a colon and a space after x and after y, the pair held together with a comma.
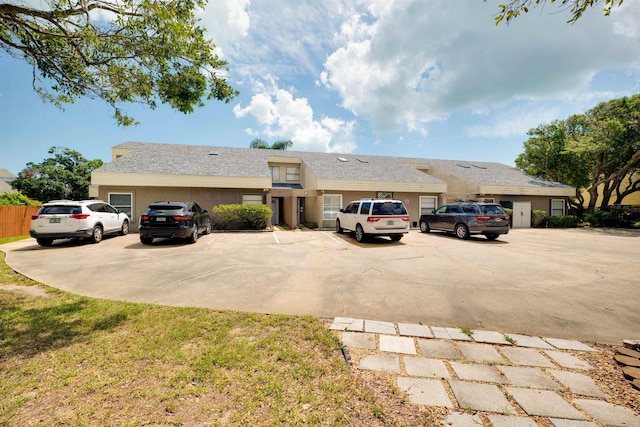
x: 253, y: 217
x: 605, y: 218
x: 17, y: 199
x: 567, y: 221
x: 538, y: 217
x: 310, y: 224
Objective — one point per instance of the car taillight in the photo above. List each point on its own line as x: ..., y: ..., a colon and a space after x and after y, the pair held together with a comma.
x: 80, y: 216
x: 378, y: 218
x: 482, y: 218
x: 35, y: 216
x: 182, y: 217
x: 144, y: 217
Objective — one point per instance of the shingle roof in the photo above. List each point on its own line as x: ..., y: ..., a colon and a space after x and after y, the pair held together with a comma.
x: 489, y: 173
x: 174, y: 159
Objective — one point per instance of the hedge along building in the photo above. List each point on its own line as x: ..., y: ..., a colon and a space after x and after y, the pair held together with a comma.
x: 307, y: 187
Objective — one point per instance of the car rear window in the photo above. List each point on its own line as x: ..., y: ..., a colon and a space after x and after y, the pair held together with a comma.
x: 492, y: 209
x: 165, y: 209
x: 389, y: 208
x: 60, y: 210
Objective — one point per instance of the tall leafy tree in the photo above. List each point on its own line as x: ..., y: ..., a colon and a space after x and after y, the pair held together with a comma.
x: 598, y: 151
x: 278, y: 145
x: 513, y: 8
x: 119, y: 51
x: 65, y: 175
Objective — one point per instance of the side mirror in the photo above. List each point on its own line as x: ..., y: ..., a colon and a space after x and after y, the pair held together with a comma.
x: 342, y: 210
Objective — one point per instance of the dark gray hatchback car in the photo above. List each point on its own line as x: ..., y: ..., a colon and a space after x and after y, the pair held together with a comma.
x: 184, y: 220
x: 467, y: 218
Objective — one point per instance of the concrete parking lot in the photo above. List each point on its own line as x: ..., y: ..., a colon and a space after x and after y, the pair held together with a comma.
x: 576, y: 284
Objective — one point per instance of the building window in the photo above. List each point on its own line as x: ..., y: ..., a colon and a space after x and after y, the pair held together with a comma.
x: 252, y: 199
x: 428, y: 204
x: 384, y: 195
x: 331, y: 204
x: 123, y: 202
x: 293, y: 174
x: 557, y: 207
x: 275, y: 173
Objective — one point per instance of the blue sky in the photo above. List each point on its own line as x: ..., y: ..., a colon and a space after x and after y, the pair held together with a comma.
x: 415, y: 78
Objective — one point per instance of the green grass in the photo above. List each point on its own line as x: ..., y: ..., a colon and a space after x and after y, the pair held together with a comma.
x: 71, y: 360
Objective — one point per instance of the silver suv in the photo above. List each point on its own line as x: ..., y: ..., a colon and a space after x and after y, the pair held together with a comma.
x: 378, y: 217
x: 467, y: 218
x: 67, y: 219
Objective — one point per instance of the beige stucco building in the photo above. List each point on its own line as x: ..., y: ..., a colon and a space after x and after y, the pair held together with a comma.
x: 306, y: 186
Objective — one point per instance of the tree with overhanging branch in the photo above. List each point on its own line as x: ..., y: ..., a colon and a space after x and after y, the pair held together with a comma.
x: 514, y: 8
x: 119, y: 51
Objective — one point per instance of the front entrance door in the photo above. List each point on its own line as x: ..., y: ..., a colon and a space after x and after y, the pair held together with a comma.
x: 301, y: 217
x: 275, y: 208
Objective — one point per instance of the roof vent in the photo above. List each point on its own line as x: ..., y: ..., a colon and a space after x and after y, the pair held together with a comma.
x: 363, y: 161
x: 478, y: 167
x: 213, y: 153
x: 463, y: 166
x: 342, y: 159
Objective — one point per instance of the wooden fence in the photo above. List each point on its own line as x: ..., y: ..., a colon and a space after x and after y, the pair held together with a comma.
x: 16, y: 220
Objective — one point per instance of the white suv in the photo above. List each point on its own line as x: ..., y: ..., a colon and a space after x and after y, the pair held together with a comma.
x: 379, y: 217
x: 66, y: 219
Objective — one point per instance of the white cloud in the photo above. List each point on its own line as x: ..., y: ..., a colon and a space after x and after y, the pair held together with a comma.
x: 282, y: 116
x: 415, y: 61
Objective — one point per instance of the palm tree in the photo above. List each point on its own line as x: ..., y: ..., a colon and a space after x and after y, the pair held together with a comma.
x: 278, y: 145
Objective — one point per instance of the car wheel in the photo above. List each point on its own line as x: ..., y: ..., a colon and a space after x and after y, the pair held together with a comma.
x: 194, y: 234
x: 45, y: 242
x: 125, y: 228
x: 146, y: 240
x: 424, y: 227
x: 96, y: 234
x: 492, y: 236
x: 462, y: 231
x: 207, y: 229
x: 359, y: 233
x: 396, y: 237
x: 339, y: 228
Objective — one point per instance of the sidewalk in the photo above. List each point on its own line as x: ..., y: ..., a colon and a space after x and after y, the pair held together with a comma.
x: 483, y: 377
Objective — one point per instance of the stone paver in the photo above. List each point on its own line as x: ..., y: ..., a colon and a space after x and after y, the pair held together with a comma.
x: 412, y: 330
x: 377, y: 327
x: 423, y: 391
x: 559, y: 422
x: 381, y: 362
x: 457, y: 334
x: 439, y: 349
x: 475, y: 372
x: 359, y: 340
x: 357, y: 325
x: 340, y: 323
x: 608, y: 413
x: 481, y: 397
x: 489, y: 337
x: 395, y: 344
x: 458, y: 419
x: 526, y: 357
x: 568, y: 344
x: 510, y: 421
x: 481, y: 353
x: 528, y: 341
x: 423, y: 367
x: 578, y: 383
x: 544, y: 403
x: 567, y: 360
x: 528, y: 377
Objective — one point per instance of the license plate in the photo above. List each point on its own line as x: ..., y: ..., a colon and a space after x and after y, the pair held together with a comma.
x: 161, y: 219
x: 54, y: 220
x: 390, y: 222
